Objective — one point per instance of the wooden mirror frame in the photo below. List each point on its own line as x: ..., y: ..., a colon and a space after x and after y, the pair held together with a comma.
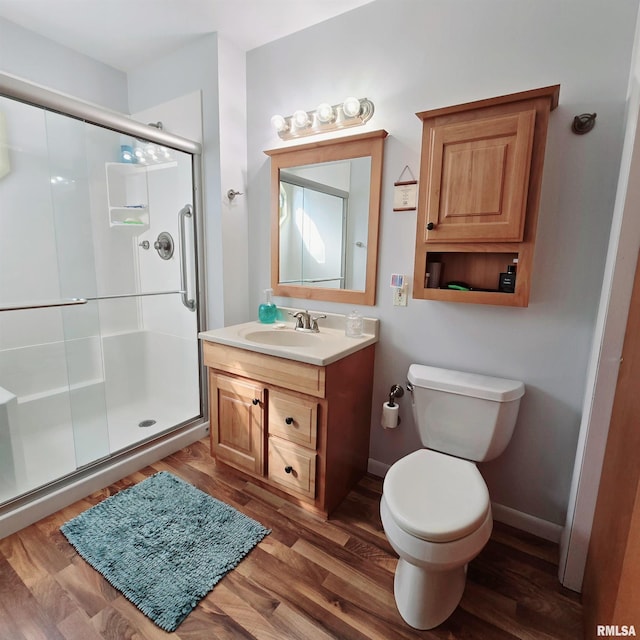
x: 369, y: 144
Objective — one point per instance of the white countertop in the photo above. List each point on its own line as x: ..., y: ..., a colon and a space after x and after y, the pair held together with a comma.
x: 322, y: 348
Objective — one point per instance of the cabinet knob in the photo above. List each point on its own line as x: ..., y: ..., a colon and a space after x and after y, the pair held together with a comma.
x: 289, y: 420
x: 431, y: 226
x: 256, y: 401
x: 288, y: 469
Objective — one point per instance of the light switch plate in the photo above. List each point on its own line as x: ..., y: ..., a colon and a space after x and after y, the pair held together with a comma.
x: 400, y: 296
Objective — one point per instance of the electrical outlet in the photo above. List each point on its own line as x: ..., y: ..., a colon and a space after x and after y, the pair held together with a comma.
x: 400, y: 296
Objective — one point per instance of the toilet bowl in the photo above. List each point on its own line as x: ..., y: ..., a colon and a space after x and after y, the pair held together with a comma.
x: 435, y: 506
x: 436, y: 515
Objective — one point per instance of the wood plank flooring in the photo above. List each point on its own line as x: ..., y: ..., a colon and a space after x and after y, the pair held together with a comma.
x: 308, y: 580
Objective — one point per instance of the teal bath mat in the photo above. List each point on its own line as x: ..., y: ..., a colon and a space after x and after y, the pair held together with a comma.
x: 164, y: 544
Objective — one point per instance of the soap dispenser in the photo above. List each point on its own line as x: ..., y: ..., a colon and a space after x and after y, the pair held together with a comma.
x: 267, y: 311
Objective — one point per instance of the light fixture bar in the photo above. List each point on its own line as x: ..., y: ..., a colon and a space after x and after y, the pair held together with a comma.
x: 350, y: 113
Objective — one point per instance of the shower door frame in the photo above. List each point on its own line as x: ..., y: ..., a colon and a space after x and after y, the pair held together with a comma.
x: 49, y: 100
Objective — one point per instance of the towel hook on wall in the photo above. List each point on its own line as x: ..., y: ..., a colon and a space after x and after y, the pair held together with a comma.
x: 583, y: 123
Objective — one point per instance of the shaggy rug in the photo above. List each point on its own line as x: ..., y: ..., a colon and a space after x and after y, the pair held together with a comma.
x: 164, y: 544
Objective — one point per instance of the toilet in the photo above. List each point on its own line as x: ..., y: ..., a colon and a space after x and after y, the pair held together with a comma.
x: 435, y: 506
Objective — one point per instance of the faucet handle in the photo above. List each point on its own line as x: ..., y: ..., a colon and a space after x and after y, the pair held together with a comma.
x: 314, y: 322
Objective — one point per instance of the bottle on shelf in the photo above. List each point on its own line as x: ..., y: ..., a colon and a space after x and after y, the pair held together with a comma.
x: 507, y: 282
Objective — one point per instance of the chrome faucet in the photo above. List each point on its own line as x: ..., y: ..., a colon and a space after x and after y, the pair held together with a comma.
x: 306, y: 322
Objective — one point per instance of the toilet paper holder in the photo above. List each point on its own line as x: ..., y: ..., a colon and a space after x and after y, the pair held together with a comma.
x: 396, y: 392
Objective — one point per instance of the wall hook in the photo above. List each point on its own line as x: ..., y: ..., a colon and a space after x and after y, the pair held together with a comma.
x: 231, y: 194
x: 583, y: 123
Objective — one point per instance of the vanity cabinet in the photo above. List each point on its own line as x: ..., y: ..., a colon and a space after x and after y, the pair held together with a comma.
x: 297, y: 429
x: 480, y: 178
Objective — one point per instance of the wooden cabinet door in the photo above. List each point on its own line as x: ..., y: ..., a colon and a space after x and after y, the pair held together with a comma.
x: 237, y: 431
x: 477, y: 178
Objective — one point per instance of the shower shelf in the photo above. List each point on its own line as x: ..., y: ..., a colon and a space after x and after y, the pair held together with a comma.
x: 128, y: 193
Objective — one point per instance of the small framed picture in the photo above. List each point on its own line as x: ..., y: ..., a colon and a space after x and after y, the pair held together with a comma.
x: 405, y: 195
x: 397, y: 280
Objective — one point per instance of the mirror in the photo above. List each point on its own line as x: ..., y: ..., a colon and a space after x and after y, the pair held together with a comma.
x: 325, y: 209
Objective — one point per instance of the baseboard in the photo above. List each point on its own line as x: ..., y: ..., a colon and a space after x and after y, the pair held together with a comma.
x: 376, y: 468
x: 525, y: 522
x: 49, y: 503
x: 514, y: 518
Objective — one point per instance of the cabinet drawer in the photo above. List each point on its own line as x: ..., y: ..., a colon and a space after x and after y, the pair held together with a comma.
x: 294, y: 419
x: 292, y: 467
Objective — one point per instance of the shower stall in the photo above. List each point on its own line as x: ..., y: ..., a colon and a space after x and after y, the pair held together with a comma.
x: 100, y: 290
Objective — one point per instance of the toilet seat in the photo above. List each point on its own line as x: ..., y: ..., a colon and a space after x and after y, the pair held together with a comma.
x: 436, y: 497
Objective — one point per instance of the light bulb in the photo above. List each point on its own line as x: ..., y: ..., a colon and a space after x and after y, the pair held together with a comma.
x: 300, y: 119
x: 325, y: 112
x: 279, y: 123
x: 351, y: 107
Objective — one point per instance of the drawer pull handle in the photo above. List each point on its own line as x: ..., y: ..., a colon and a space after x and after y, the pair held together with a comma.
x: 288, y: 469
x: 289, y: 420
x: 256, y: 401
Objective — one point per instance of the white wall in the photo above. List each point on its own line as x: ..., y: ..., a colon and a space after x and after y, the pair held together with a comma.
x: 604, y: 364
x: 192, y: 68
x: 35, y: 58
x: 412, y: 55
x: 232, y: 104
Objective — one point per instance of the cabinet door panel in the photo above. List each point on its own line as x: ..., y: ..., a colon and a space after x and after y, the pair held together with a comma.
x: 237, y: 434
x: 478, y: 179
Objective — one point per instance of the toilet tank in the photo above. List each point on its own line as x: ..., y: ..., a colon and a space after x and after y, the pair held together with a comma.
x: 467, y: 415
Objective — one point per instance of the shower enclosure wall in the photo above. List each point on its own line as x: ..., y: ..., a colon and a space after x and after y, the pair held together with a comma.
x: 99, y: 289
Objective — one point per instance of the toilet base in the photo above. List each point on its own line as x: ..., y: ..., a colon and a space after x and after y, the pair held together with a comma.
x: 426, y: 599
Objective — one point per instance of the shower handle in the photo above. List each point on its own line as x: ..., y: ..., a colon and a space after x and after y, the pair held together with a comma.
x: 183, y: 214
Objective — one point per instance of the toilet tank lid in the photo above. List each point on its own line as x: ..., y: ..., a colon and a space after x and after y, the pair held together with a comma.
x: 466, y: 384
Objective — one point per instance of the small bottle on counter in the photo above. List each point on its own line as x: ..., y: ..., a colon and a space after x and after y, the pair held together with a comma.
x: 353, y: 325
x: 267, y: 311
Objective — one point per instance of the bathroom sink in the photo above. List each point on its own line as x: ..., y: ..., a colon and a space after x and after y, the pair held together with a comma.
x: 283, y: 338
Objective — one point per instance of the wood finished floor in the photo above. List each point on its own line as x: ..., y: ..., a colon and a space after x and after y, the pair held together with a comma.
x: 307, y: 580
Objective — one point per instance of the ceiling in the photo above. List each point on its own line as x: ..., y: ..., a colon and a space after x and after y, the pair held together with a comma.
x: 128, y: 33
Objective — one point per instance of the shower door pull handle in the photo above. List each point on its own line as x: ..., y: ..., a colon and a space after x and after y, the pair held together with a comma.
x: 183, y: 214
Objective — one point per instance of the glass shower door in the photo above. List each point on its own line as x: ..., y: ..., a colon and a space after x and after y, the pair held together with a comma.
x: 98, y: 338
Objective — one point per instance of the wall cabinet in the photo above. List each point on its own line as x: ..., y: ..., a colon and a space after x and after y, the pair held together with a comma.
x: 480, y: 178
x: 299, y: 430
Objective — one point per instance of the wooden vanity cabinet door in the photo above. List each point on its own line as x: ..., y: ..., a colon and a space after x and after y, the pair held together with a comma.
x: 477, y: 178
x: 237, y: 422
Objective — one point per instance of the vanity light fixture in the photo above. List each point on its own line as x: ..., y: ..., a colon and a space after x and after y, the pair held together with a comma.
x: 352, y: 112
